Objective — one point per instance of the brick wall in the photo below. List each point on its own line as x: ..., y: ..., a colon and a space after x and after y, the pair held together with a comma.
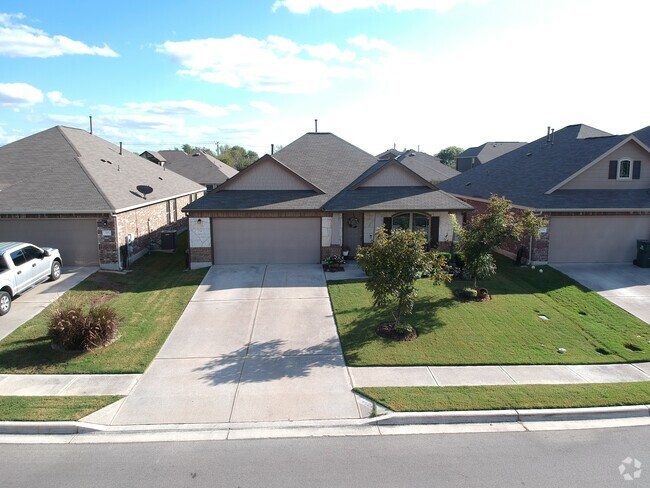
x: 146, y: 223
x: 107, y: 240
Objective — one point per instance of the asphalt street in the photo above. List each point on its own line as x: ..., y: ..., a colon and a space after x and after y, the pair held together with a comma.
x: 590, y: 458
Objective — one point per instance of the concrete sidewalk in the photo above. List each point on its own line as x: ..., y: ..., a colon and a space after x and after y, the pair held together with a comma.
x: 67, y: 384
x: 499, y: 375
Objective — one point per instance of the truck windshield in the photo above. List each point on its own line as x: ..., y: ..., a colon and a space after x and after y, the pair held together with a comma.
x: 3, y: 264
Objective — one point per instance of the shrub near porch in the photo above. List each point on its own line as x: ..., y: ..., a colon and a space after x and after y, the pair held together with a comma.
x: 505, y: 330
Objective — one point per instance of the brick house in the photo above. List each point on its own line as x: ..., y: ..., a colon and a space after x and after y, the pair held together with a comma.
x: 95, y: 202
x: 592, y: 187
x: 315, y: 197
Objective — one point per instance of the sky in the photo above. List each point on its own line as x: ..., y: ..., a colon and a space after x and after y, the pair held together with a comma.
x: 411, y: 73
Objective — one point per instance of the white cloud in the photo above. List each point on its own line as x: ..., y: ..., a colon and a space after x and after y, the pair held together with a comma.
x: 274, y: 64
x: 264, y: 107
x: 19, y: 40
x: 19, y: 95
x: 183, y: 107
x: 57, y: 98
x: 340, y: 6
x: 329, y: 52
x: 366, y: 43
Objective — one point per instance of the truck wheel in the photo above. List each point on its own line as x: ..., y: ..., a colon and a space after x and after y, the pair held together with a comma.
x: 56, y: 271
x: 5, y: 302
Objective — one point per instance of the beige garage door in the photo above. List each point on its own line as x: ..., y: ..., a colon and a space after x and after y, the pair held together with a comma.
x: 76, y: 239
x: 266, y: 240
x: 596, y: 239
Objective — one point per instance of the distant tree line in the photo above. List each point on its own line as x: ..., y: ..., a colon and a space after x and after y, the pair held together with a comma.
x: 235, y: 156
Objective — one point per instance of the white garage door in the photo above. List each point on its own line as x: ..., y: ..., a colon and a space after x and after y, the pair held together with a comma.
x: 596, y: 239
x: 76, y: 239
x: 266, y: 240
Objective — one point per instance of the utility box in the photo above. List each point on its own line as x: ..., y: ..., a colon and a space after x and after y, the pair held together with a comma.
x: 642, y: 254
x: 168, y: 240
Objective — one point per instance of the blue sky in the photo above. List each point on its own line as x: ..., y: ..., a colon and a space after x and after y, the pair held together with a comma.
x: 428, y: 73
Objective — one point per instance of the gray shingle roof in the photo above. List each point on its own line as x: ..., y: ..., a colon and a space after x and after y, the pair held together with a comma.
x: 66, y: 170
x: 428, y: 167
x: 490, y: 150
x: 198, y: 167
x: 333, y: 165
x: 524, y: 175
x: 395, y: 198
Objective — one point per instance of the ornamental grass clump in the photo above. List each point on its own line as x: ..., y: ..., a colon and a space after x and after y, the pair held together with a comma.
x: 72, y: 328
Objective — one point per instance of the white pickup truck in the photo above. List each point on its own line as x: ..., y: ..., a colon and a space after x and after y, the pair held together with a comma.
x: 23, y: 266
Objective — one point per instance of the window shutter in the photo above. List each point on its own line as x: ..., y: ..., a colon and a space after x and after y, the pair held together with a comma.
x: 435, y: 231
x: 613, y: 167
x: 388, y: 224
x: 636, y: 170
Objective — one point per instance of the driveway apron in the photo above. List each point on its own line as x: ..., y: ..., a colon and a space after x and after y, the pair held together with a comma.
x: 255, y: 343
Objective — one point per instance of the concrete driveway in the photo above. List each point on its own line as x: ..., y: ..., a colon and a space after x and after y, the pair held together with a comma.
x: 33, y: 301
x: 626, y: 285
x: 255, y: 343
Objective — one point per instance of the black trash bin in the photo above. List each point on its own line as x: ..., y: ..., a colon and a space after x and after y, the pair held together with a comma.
x: 168, y: 240
x: 642, y: 253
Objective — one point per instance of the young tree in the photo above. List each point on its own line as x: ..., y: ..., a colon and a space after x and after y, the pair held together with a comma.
x: 449, y: 154
x: 483, y: 234
x: 393, y: 263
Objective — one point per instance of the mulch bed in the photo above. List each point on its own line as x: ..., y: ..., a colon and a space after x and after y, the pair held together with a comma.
x: 460, y: 296
x: 388, y: 331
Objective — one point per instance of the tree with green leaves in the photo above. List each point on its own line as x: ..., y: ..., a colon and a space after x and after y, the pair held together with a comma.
x: 480, y: 237
x: 189, y: 149
x: 236, y: 156
x: 449, y: 154
x: 393, y: 263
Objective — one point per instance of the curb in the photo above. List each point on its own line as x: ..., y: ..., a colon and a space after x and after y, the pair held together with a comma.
x: 321, y: 427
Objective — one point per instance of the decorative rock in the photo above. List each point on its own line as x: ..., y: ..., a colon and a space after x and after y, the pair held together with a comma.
x: 561, y: 350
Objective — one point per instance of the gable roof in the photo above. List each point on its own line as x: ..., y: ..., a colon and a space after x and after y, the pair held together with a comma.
x: 525, y: 175
x: 489, y: 150
x: 428, y: 167
x: 332, y: 167
x: 67, y: 170
x: 199, y: 167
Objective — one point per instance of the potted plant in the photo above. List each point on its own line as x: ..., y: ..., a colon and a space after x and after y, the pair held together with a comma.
x: 346, y: 251
x: 333, y: 263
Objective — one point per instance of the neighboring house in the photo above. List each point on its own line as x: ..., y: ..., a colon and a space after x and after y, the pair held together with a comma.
x: 428, y: 167
x: 69, y: 189
x: 310, y: 199
x: 199, y: 167
x: 482, y: 154
x: 593, y: 187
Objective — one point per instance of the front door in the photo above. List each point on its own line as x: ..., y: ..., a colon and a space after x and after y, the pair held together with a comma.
x: 352, y: 231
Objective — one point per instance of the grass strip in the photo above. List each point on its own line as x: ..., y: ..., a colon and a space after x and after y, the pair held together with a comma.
x: 49, y: 408
x: 450, y: 398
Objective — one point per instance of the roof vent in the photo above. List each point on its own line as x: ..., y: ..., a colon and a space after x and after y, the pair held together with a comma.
x: 160, y: 178
x: 196, y: 154
x: 529, y: 154
x: 468, y: 183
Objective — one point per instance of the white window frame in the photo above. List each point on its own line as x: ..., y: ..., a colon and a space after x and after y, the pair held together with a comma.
x: 618, y: 169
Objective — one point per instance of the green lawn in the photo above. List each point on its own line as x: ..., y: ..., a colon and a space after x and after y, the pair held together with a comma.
x: 51, y: 407
x: 150, y: 299
x: 505, y: 330
x: 436, y: 398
